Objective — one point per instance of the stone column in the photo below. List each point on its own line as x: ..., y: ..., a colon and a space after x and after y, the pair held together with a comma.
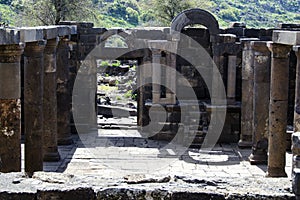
x: 297, y: 93
x: 33, y: 105
x: 50, y: 102
x: 171, y: 75
x: 247, y: 97
x: 156, y: 76
x: 10, y: 107
x: 261, y: 100
x: 216, y: 82
x: 278, y: 109
x: 63, y: 96
x: 231, y: 79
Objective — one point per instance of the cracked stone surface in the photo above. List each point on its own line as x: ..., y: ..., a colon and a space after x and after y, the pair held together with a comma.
x: 110, y: 164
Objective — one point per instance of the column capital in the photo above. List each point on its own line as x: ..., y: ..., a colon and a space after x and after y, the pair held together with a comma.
x: 279, y: 50
x: 11, y: 53
x: 245, y: 42
x: 260, y: 46
x: 35, y: 48
x: 51, y: 45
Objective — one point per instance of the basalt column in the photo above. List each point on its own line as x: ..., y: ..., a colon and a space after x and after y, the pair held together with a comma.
x: 156, y: 76
x: 247, y: 97
x: 10, y: 108
x: 297, y: 93
x: 62, y: 92
x: 261, y: 99
x: 278, y: 109
x: 33, y: 105
x: 231, y: 80
x: 50, y: 102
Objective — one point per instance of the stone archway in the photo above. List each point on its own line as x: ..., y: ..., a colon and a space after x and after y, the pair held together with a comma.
x: 195, y: 16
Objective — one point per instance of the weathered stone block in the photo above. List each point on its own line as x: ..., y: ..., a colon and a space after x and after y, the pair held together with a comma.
x: 9, y: 36
x: 286, y: 37
x: 31, y: 34
x: 149, y: 34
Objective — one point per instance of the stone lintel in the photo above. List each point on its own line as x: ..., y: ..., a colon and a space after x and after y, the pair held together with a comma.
x: 31, y: 34
x: 64, y: 30
x: 286, y: 37
x: 77, y: 24
x: 9, y: 36
x: 50, y: 32
x: 163, y: 45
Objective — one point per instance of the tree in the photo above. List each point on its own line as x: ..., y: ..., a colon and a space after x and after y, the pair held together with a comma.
x: 167, y: 10
x: 124, y: 9
x: 50, y: 12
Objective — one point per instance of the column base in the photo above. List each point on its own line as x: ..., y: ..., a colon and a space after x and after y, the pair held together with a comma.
x: 65, y: 141
x: 244, y: 144
x: 51, y: 157
x: 258, y: 158
x: 276, y: 172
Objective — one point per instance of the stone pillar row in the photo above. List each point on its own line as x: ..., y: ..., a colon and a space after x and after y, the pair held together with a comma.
x: 46, y: 103
x: 265, y: 102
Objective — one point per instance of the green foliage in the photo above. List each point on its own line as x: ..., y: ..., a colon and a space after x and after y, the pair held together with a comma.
x: 116, y: 63
x: 167, y: 10
x: 7, y: 15
x: 128, y: 94
x: 132, y: 13
x: 257, y: 13
x: 104, y: 63
x: 230, y: 14
x: 49, y: 12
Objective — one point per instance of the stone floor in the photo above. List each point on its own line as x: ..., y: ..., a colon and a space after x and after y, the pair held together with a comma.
x: 122, y: 156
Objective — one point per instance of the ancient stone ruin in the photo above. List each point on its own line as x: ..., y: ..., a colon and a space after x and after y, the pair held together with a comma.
x: 195, y: 86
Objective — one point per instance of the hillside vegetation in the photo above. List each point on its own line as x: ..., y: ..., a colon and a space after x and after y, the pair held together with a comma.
x: 133, y: 13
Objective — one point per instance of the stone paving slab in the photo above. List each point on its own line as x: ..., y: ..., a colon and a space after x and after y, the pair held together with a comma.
x: 109, y: 157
